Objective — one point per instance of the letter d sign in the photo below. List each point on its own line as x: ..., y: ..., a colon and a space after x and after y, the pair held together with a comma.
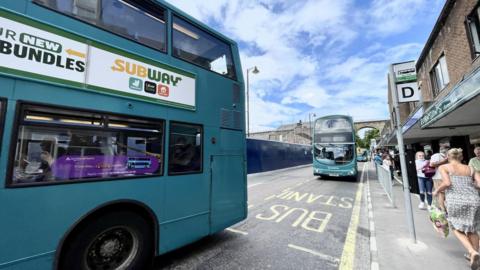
x: 408, y: 92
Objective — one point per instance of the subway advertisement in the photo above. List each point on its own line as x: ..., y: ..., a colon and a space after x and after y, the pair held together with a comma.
x: 34, y: 50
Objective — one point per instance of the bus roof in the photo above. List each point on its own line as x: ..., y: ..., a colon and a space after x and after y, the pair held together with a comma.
x: 335, y: 116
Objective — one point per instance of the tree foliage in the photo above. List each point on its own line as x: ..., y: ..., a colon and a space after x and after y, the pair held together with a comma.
x: 369, y: 135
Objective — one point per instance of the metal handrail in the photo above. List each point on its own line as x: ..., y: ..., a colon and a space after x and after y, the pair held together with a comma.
x: 385, y: 178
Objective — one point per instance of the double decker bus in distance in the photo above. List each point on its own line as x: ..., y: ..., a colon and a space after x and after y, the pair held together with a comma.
x: 122, y: 133
x: 334, y: 147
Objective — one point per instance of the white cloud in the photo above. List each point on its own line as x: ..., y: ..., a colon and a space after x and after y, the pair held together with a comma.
x: 307, y: 55
x: 309, y: 92
x: 388, y: 17
x: 266, y: 115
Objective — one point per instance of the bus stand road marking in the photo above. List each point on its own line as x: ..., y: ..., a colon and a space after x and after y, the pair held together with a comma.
x: 270, y: 197
x: 332, y: 260
x: 288, y: 188
x: 237, y: 231
x: 348, y: 254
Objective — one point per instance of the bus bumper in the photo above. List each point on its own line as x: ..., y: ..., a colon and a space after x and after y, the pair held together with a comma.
x: 335, y: 173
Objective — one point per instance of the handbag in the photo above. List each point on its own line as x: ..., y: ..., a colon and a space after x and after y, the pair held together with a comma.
x: 427, y: 170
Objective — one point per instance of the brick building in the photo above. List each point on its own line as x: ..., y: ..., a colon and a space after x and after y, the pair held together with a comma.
x: 448, y: 76
x: 298, y: 133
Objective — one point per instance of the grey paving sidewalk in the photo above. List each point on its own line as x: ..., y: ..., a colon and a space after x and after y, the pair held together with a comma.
x: 395, y: 247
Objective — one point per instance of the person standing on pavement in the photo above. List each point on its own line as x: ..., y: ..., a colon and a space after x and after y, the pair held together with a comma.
x: 425, y: 184
x: 428, y: 154
x: 387, y: 163
x: 462, y: 202
x: 436, y: 161
x: 475, y: 161
x: 378, y: 158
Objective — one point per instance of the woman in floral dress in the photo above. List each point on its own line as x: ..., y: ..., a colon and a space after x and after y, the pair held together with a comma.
x: 462, y: 201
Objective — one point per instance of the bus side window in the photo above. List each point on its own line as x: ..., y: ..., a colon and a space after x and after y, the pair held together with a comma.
x: 201, y: 48
x: 56, y: 144
x: 185, y: 149
x: 141, y: 21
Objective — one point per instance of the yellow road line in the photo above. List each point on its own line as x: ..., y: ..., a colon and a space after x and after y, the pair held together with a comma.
x: 348, y: 254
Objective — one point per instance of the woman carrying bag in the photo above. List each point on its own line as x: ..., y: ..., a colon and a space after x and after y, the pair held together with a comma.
x: 462, y: 201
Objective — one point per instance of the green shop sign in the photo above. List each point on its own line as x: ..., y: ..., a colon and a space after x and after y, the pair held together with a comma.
x: 405, y: 72
x: 463, y: 92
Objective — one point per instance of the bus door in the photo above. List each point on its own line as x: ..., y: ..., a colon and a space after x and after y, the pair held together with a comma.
x: 228, y: 181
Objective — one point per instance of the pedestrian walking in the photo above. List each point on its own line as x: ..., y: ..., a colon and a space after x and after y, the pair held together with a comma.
x: 436, y: 161
x: 462, y: 202
x: 428, y: 154
x: 425, y: 183
x: 387, y: 163
x: 378, y: 158
x: 475, y: 161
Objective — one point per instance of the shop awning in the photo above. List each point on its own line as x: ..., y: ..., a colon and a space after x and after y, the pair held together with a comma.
x: 456, y: 114
x: 460, y: 109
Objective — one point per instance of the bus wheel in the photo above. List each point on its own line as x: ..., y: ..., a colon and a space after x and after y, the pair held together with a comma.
x: 117, y: 240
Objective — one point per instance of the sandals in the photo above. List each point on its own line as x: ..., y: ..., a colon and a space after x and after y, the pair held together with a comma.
x: 466, y: 256
x: 475, y: 261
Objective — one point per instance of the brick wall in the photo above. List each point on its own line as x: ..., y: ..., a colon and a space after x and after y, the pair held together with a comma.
x: 451, y: 41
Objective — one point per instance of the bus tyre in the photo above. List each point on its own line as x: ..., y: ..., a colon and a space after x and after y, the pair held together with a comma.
x: 116, y: 240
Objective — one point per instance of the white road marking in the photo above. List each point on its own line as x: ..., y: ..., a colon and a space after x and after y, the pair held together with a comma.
x: 256, y: 184
x: 332, y: 260
x: 250, y: 206
x: 373, y: 240
x: 236, y: 231
x: 373, y: 243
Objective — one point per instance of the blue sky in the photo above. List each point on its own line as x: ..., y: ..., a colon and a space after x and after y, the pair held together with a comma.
x: 319, y: 56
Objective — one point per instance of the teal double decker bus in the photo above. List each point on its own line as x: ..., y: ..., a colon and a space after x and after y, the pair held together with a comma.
x: 334, y: 147
x: 122, y: 133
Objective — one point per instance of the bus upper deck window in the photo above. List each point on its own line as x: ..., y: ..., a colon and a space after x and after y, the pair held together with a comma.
x: 141, y: 21
x: 201, y: 48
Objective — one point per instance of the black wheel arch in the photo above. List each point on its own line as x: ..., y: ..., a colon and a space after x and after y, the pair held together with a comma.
x: 136, y: 207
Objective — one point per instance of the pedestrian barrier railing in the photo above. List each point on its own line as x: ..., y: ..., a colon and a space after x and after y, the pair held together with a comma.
x: 386, y: 180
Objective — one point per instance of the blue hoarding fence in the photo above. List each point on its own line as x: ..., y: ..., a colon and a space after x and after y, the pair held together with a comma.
x: 265, y: 155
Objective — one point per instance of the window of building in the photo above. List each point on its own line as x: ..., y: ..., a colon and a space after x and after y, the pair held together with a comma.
x: 140, y: 21
x: 473, y: 24
x: 439, y: 75
x: 201, y: 48
x: 185, y: 149
x: 59, y: 145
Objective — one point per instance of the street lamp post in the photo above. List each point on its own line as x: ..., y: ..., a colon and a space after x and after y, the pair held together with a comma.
x: 254, y: 71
